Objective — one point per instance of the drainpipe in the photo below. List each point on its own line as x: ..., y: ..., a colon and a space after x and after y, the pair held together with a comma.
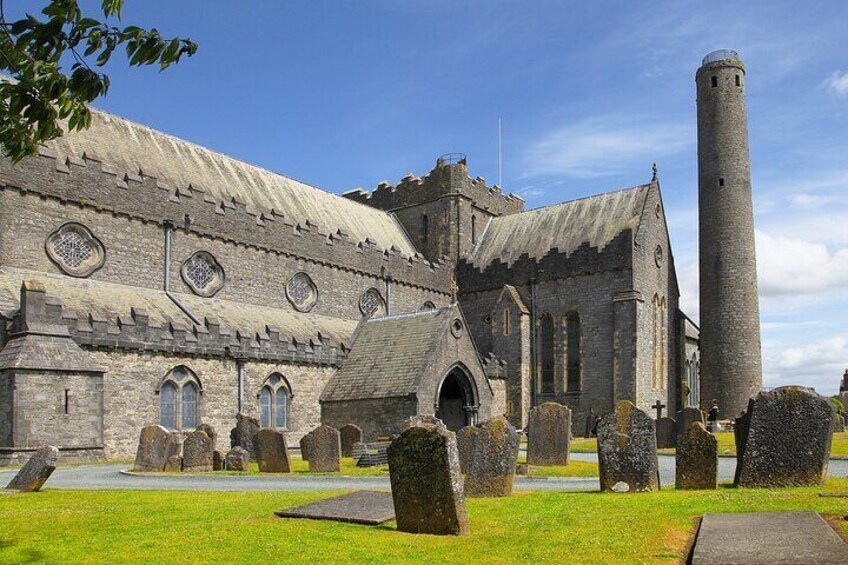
x: 240, y: 383
x: 533, y: 360
x: 388, y: 295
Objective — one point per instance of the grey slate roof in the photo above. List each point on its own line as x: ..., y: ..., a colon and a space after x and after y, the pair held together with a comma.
x: 46, y: 353
x: 389, y: 356
x: 595, y: 219
x: 129, y: 148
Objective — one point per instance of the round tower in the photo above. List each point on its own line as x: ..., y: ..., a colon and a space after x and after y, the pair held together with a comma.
x: 731, y: 364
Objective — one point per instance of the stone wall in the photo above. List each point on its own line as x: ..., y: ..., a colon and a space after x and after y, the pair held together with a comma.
x: 376, y: 417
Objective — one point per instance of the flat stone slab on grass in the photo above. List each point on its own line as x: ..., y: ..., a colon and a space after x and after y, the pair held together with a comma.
x: 774, y: 538
x: 367, y: 507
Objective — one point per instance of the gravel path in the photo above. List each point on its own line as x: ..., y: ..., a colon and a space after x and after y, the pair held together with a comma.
x: 110, y: 477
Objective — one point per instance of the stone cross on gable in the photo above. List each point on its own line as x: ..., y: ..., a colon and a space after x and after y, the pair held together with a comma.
x: 658, y: 406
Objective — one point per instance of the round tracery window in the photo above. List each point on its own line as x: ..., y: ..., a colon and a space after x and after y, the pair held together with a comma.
x: 75, y: 250
x: 302, y: 292
x: 203, y: 274
x: 372, y: 302
x: 658, y: 256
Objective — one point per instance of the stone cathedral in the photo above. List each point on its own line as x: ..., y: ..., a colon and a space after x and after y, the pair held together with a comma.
x: 145, y: 279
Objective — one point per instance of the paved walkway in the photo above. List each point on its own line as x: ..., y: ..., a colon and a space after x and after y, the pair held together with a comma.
x: 110, y: 477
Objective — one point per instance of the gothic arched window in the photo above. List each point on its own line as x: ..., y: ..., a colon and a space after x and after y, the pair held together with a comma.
x: 275, y: 402
x: 179, y: 399
x: 473, y: 229
x: 167, y: 405
x: 546, y: 353
x: 574, y: 362
x: 660, y: 342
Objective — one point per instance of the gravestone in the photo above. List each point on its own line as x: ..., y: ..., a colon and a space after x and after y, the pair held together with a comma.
x: 197, y: 452
x: 549, y: 434
x: 304, y: 446
x: 210, y: 431
x: 371, y: 508
x: 371, y: 454
x: 687, y: 417
x: 784, y: 439
x: 666, y: 433
x: 427, y: 488
x: 271, y: 453
x: 696, y: 459
x: 243, y: 433
x: 37, y: 470
x: 591, y: 423
x: 465, y: 446
x: 421, y: 420
x: 155, y: 445
x: 350, y: 434
x: 627, y: 450
x: 839, y: 424
x: 217, y: 460
x: 325, y: 450
x: 491, y: 470
x: 174, y: 464
x: 237, y: 459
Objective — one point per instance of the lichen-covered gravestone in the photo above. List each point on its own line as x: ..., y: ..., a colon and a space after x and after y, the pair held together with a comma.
x: 696, y: 459
x: 325, y: 451
x: 155, y: 446
x: 422, y: 420
x: 549, y: 434
x: 666, y: 433
x: 37, y: 470
x: 427, y: 488
x: 271, y: 452
x: 237, y: 459
x: 839, y: 424
x: 217, y: 460
x: 784, y: 439
x: 491, y: 470
x: 174, y: 464
x: 350, y: 434
x: 305, y: 443
x: 687, y: 417
x: 243, y: 433
x: 627, y: 450
x: 465, y: 446
x: 197, y: 452
x: 210, y: 431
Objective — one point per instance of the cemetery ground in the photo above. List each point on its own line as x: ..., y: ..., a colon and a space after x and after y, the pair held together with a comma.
x: 201, y: 527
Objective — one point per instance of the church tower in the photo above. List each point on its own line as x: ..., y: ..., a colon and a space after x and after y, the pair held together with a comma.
x: 731, y: 364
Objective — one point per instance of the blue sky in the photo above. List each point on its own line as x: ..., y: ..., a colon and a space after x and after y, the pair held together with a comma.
x: 346, y: 94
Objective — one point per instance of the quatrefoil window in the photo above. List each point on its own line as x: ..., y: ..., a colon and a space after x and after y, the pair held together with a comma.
x: 203, y: 274
x: 75, y: 250
x: 372, y: 302
x: 302, y: 292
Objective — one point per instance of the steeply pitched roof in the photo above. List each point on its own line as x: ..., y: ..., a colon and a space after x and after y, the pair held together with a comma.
x: 130, y: 148
x: 596, y: 220
x: 389, y: 356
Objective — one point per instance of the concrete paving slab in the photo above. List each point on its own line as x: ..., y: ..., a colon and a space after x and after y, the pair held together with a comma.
x: 773, y: 538
x: 361, y: 507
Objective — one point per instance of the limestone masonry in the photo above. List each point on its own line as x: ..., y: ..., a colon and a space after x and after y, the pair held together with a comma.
x: 145, y: 280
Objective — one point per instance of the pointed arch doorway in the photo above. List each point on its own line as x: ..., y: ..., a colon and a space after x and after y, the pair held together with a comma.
x: 456, y: 399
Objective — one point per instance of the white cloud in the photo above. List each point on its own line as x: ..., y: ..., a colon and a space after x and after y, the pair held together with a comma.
x: 790, y: 266
x: 607, y: 145
x: 837, y: 83
x: 818, y: 364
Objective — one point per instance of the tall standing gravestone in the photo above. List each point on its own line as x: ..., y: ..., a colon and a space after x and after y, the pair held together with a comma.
x: 549, y: 434
x: 465, y: 446
x: 350, y: 434
x: 427, y: 488
x: 198, y: 450
x: 491, y: 470
x: 325, y: 451
x: 210, y: 431
x: 666, y: 433
x: 696, y: 459
x: 243, y: 433
x: 305, y: 443
x: 155, y: 446
x: 271, y: 452
x: 37, y: 470
x: 627, y: 450
x: 784, y: 439
x: 687, y: 417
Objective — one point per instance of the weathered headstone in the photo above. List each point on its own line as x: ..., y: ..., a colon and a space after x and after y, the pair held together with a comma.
x: 237, y: 459
x: 305, y: 442
x: 839, y: 424
x: 37, y: 470
x: 422, y: 420
x: 784, y: 439
x: 696, y: 459
x: 666, y: 433
x: 371, y: 454
x: 155, y: 445
x: 687, y: 417
x: 427, y: 488
x: 627, y: 450
x: 197, y: 452
x: 243, y: 433
x: 325, y: 450
x: 465, y: 446
x: 271, y: 452
x: 174, y: 464
x: 350, y: 434
x: 210, y: 431
x: 591, y: 422
x: 491, y: 470
x: 549, y: 434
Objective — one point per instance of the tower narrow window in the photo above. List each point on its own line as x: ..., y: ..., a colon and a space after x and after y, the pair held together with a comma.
x: 546, y: 353
x: 573, y: 354
x: 506, y: 321
x: 714, y: 81
x: 721, y: 181
x: 67, y: 399
x: 425, y: 227
x: 473, y: 230
x: 738, y: 81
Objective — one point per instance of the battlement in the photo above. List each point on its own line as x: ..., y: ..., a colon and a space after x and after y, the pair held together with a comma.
x: 448, y: 177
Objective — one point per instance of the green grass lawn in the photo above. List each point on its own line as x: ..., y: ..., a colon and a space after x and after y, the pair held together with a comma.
x: 239, y: 527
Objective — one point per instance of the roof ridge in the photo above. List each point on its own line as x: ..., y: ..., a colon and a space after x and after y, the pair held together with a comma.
x: 582, y: 198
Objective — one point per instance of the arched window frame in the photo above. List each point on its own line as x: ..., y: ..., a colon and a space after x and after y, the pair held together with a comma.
x: 184, y: 414
x: 275, y: 386
x: 547, y: 354
x: 473, y: 229
x: 573, y: 332
x: 660, y: 343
